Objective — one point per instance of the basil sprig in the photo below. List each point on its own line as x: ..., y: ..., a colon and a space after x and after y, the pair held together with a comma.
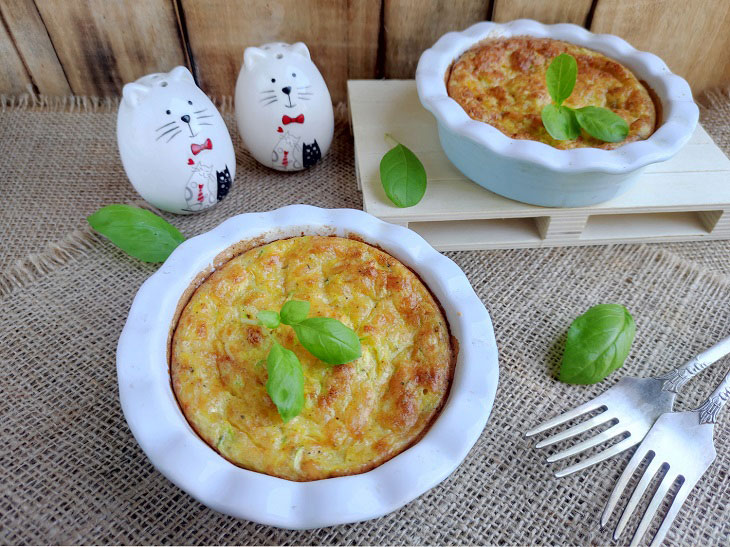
x: 137, y: 232
x: 564, y: 123
x: 561, y: 76
x: 601, y: 123
x: 402, y: 175
x: 269, y: 319
x: 327, y: 339
x: 560, y: 122
x: 598, y: 343
x: 285, y: 385
x: 294, y: 311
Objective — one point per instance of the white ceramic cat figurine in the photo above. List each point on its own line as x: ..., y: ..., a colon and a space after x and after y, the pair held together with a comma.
x: 175, y: 147
x: 283, y: 107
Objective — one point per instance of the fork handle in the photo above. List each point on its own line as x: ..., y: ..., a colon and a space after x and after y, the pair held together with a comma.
x: 674, y: 381
x: 711, y: 407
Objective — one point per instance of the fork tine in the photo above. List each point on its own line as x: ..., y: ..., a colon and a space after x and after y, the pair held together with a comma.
x: 661, y: 491
x: 623, y: 480
x: 674, y: 508
x: 588, y: 443
x: 602, y: 418
x: 617, y: 448
x: 565, y: 416
x: 636, y: 496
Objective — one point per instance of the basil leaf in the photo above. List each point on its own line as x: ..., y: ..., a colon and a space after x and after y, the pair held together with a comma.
x: 268, y: 319
x: 294, y: 311
x: 598, y: 343
x: 137, y: 232
x: 328, y: 339
x: 285, y: 385
x: 602, y: 124
x: 560, y: 77
x: 560, y: 122
x: 403, y: 176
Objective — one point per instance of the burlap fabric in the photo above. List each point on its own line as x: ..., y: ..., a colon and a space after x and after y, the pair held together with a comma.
x: 70, y: 471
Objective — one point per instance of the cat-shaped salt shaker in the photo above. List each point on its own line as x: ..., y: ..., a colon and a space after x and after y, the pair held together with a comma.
x: 174, y: 144
x: 283, y: 107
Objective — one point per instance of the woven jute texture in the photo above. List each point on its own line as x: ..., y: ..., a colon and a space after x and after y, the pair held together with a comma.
x: 71, y: 472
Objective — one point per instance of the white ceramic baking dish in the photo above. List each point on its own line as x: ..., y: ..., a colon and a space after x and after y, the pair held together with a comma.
x: 534, y: 172
x: 162, y: 431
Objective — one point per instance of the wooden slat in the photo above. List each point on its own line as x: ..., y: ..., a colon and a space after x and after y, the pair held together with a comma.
x: 102, y: 44
x: 414, y: 25
x: 34, y: 46
x: 14, y: 78
x: 220, y: 30
x: 363, y: 30
x: 545, y: 11
x: 692, y: 37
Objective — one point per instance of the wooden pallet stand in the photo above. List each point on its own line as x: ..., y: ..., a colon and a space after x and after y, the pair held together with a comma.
x: 686, y: 198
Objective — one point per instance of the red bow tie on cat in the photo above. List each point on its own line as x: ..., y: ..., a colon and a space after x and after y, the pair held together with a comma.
x: 198, y: 148
x: 286, y: 120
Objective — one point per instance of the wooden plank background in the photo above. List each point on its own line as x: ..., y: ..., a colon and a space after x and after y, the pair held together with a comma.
x: 93, y: 47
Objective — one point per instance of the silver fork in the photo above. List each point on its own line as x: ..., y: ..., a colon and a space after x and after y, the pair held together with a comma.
x: 633, y: 403
x: 681, y: 444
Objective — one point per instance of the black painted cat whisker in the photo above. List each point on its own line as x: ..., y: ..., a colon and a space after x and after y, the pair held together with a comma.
x: 174, y: 135
x: 166, y: 132
x: 205, y: 123
x: 270, y: 102
x: 268, y: 98
x: 163, y: 126
x: 206, y: 116
x: 199, y: 111
x: 267, y: 91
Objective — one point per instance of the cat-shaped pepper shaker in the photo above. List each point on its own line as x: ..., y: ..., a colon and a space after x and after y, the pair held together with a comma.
x: 175, y: 146
x: 283, y: 107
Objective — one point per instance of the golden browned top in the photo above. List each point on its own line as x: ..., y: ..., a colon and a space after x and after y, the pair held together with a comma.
x: 355, y: 416
x: 502, y: 82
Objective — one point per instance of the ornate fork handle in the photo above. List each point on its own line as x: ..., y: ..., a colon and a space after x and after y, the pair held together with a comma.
x: 710, y: 409
x: 674, y: 380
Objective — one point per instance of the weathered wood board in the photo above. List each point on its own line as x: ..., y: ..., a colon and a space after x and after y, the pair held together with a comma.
x: 564, y: 11
x: 34, y: 46
x: 694, y: 45
x: 683, y: 199
x: 92, y: 47
x: 342, y: 37
x: 102, y: 45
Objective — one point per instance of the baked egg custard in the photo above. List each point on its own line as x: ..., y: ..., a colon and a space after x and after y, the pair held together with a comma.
x: 502, y: 82
x: 355, y: 416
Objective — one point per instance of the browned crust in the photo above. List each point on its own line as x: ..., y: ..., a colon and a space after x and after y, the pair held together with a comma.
x: 658, y: 108
x: 247, y: 245
x: 502, y: 82
x: 220, y: 259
